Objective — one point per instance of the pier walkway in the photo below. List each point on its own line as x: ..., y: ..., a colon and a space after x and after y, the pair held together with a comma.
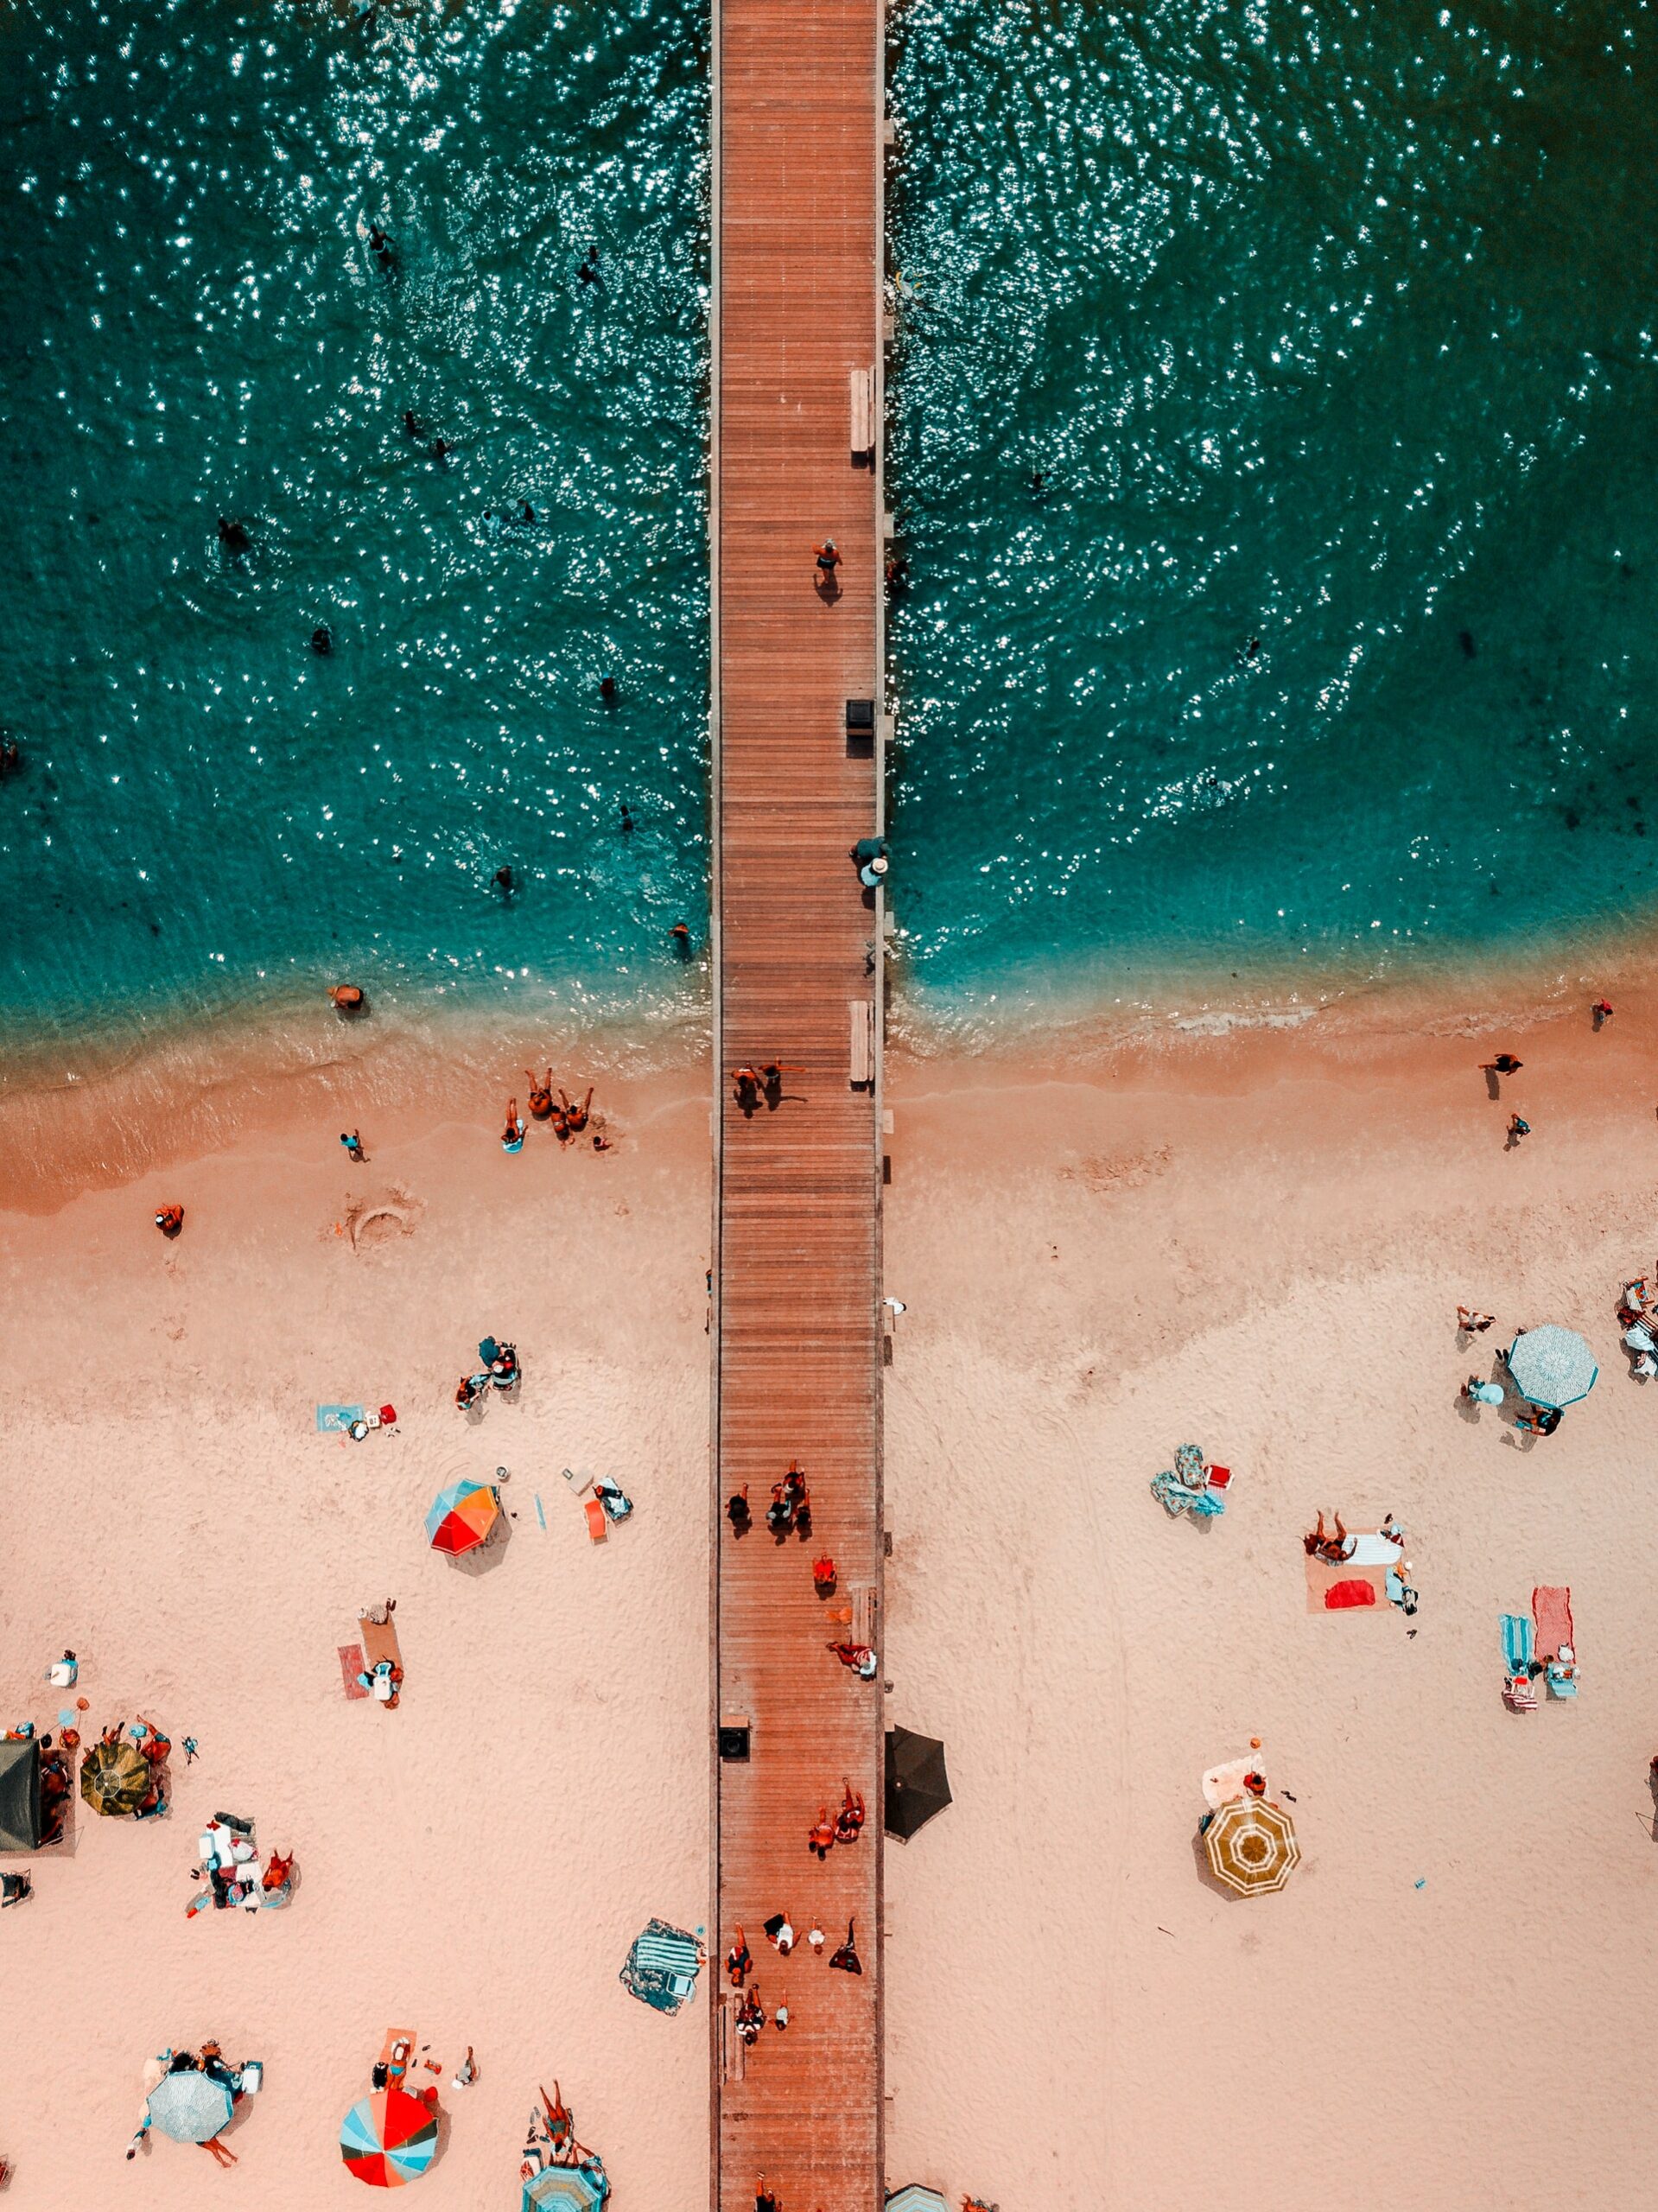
x: 796, y: 1341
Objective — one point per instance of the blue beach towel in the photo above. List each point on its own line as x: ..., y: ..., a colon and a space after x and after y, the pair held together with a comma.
x: 1516, y: 1642
x: 661, y: 1967
x: 336, y: 1420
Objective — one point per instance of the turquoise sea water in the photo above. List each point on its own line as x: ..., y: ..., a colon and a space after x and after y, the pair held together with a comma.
x: 193, y: 324
x: 1329, y: 328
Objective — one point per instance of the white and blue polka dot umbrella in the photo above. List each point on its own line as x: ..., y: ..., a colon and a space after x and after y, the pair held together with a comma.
x: 1552, y: 1366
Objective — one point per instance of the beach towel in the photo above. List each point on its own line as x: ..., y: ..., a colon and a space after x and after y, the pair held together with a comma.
x: 1551, y: 1607
x: 335, y: 1420
x: 1516, y: 1643
x: 1349, y: 1594
x: 662, y: 1967
x: 351, y: 1666
x: 1325, y: 1579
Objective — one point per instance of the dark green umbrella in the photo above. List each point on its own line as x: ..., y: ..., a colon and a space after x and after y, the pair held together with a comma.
x: 917, y: 1784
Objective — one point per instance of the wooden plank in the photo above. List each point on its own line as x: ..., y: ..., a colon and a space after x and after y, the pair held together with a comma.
x: 797, y: 1229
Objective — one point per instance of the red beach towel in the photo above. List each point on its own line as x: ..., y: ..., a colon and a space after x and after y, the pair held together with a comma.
x: 1551, y: 1608
x: 1341, y: 1595
x: 351, y: 1666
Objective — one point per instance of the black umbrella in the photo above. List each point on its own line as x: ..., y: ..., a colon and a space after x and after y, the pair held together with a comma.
x: 917, y: 1784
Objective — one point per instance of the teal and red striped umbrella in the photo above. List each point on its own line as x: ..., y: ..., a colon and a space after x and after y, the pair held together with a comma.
x: 462, y: 1516
x: 389, y: 2138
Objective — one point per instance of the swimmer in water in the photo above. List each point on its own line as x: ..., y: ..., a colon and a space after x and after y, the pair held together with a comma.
x: 607, y: 688
x: 627, y: 823
x: 322, y: 639
x: 503, y: 882
x: 680, y: 937
x: 233, y: 539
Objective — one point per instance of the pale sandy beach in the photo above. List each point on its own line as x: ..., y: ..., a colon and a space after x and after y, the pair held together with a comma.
x: 1257, y: 1241
x: 474, y: 1864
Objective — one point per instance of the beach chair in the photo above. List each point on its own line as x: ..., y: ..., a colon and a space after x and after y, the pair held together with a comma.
x: 1517, y: 1693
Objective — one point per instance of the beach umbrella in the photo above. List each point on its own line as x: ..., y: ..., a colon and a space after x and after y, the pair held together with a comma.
x: 389, y: 2138
x: 1552, y: 1366
x: 565, y: 2189
x: 190, y: 2107
x: 462, y: 1516
x: 917, y: 1784
x: 915, y: 2196
x: 114, y: 1779
x: 1251, y: 1846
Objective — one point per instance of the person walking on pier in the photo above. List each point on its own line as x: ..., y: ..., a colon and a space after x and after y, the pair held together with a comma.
x: 827, y: 559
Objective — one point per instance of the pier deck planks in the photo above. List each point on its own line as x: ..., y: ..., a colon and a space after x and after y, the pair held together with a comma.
x: 797, y: 1342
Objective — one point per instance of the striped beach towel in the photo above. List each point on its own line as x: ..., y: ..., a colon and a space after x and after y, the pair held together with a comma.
x: 662, y: 1967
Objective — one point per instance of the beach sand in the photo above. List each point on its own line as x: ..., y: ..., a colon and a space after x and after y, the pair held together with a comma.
x: 1255, y: 1240
x: 1259, y: 1243
x: 474, y: 1864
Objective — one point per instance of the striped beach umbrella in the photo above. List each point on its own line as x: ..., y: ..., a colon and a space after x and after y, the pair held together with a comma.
x: 1552, y: 1366
x: 462, y: 1516
x: 389, y: 2138
x: 1251, y: 1846
x: 915, y: 2196
x: 565, y: 2189
x: 191, y: 2108
x: 114, y: 1779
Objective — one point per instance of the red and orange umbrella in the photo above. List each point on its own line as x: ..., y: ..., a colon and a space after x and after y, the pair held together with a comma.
x: 389, y: 2138
x: 462, y: 1516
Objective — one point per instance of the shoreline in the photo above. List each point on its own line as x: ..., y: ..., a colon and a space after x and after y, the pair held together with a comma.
x: 126, y: 1105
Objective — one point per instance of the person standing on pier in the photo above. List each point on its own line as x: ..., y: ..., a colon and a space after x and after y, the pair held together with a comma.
x: 828, y: 560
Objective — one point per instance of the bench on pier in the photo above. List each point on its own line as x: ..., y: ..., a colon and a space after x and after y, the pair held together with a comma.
x: 862, y: 383
x: 861, y: 1017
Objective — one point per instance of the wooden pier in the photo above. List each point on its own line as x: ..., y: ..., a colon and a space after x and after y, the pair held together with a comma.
x: 796, y: 1340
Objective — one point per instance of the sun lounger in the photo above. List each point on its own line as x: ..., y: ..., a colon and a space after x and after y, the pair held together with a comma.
x: 598, y: 1525
x: 1518, y: 1693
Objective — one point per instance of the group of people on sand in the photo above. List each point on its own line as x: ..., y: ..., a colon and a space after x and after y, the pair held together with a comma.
x: 1637, y: 1314
x: 211, y: 2061
x: 500, y: 1371
x: 1485, y: 1390
x: 1335, y: 1545
x: 566, y: 1118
